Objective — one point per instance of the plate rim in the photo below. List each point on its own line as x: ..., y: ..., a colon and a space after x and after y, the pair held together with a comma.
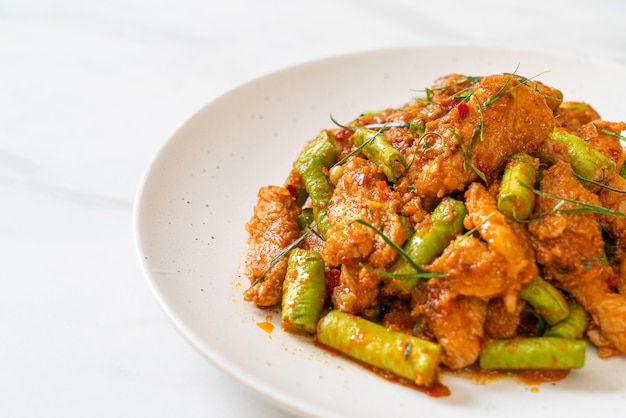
x: 247, y: 380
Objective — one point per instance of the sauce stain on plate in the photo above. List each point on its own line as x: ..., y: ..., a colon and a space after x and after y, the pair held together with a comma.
x: 266, y: 325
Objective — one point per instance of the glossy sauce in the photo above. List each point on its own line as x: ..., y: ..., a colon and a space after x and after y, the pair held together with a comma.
x: 530, y: 378
x: 437, y: 390
x: 526, y: 377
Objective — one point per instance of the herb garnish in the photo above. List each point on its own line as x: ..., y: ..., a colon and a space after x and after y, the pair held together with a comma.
x: 584, y: 207
x: 611, y: 133
x: 399, y: 250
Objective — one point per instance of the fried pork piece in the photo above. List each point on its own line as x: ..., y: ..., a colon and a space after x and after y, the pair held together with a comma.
x: 272, y: 227
x: 573, y: 115
x: 501, y: 117
x: 396, y: 316
x: 569, y: 246
x: 456, y: 308
x: 470, y: 269
x: 501, y: 324
x: 507, y: 239
x: 361, y: 193
x: 357, y: 291
x: 444, y: 88
x: 457, y: 323
x: 608, y: 332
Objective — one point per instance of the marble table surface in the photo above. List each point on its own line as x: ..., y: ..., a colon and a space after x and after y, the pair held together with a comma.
x: 90, y: 90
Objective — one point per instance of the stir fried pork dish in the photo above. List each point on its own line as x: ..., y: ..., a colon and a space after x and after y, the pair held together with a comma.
x: 481, y: 226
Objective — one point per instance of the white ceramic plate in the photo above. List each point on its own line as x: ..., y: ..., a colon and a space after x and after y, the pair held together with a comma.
x: 199, y: 192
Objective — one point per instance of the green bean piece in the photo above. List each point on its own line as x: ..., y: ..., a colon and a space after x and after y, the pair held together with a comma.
x: 587, y: 162
x: 622, y: 172
x: 515, y: 200
x: 319, y: 155
x: 543, y: 353
x: 304, y: 291
x: 377, y: 149
x: 546, y: 299
x: 573, y: 326
x: 401, y: 354
x: 429, y: 240
x: 306, y: 218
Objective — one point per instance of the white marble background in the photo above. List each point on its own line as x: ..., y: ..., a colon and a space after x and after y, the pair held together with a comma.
x: 89, y: 91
